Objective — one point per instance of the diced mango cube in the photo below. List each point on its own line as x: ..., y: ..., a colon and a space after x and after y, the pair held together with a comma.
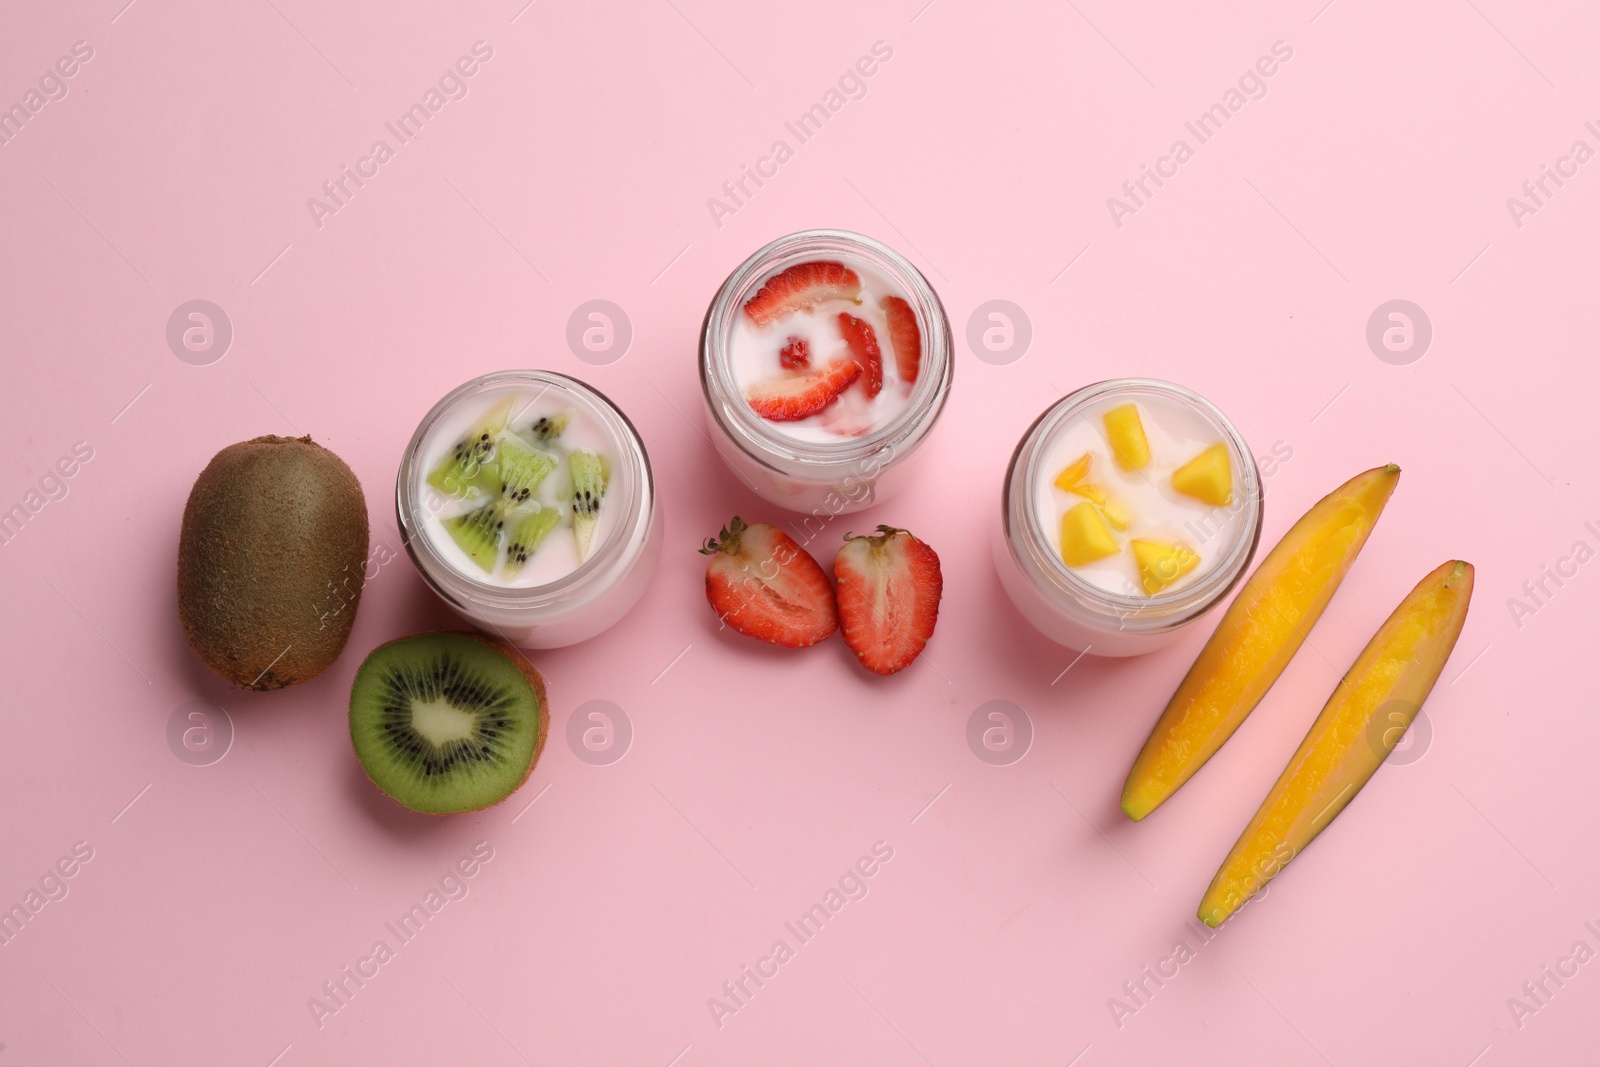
x: 1073, y: 473
x: 1207, y: 477
x: 1161, y: 565
x: 1085, y: 537
x: 1128, y: 442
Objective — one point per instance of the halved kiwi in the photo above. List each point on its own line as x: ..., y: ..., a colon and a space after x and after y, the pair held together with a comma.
x: 448, y: 722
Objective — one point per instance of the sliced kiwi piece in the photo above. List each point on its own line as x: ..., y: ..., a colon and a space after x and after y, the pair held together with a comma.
x: 477, y: 532
x: 588, y: 473
x: 448, y: 722
x: 469, y: 470
x: 547, y: 428
x: 530, y: 530
x: 521, y: 468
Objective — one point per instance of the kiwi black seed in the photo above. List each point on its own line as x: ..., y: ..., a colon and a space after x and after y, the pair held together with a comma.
x: 271, y: 561
x: 448, y: 722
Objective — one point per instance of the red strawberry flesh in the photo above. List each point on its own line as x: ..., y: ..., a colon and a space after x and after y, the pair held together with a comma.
x: 888, y: 590
x: 764, y: 585
x: 905, y: 337
x: 796, y: 354
x: 802, y: 395
x: 804, y: 285
x: 864, y: 350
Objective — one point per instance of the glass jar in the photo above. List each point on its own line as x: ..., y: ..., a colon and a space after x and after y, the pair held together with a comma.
x: 573, y: 606
x: 823, y: 478
x: 1077, y: 613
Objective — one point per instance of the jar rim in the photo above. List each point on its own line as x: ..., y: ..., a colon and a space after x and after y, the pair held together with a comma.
x: 631, y: 473
x: 1129, y: 612
x: 757, y: 437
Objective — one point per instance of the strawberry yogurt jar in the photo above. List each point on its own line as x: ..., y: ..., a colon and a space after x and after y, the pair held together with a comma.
x: 825, y: 362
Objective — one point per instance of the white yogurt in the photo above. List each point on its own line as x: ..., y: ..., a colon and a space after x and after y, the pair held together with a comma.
x: 557, y: 554
x: 754, y: 356
x: 1158, y: 512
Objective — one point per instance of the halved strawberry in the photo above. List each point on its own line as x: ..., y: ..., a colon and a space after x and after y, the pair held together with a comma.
x: 889, y: 586
x: 796, y: 354
x: 802, y: 395
x: 864, y: 350
x: 804, y: 285
x: 764, y: 585
x: 905, y: 337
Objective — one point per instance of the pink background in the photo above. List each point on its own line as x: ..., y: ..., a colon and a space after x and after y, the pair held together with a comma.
x: 578, y: 167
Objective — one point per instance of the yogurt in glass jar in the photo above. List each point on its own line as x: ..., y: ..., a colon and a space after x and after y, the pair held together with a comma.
x: 825, y: 363
x: 526, y: 501
x: 1131, y: 508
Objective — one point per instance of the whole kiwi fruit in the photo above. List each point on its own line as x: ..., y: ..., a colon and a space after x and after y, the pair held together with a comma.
x: 271, y: 561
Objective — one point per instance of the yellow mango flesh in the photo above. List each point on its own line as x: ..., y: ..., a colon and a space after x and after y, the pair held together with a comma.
x: 1261, y: 631
x: 1361, y: 723
x: 1161, y: 565
x: 1207, y: 477
x: 1085, y: 537
x: 1126, y: 431
x: 1074, y: 473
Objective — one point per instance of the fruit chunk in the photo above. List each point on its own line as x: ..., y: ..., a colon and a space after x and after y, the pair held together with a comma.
x: 796, y: 355
x: 803, y: 395
x: 477, y: 532
x: 804, y: 285
x: 764, y: 585
x: 469, y: 470
x: 521, y: 468
x: 889, y: 585
x: 270, y: 561
x: 528, y: 534
x: 1161, y: 565
x: 1073, y: 474
x: 1085, y: 537
x: 1126, y: 432
x: 905, y: 337
x: 1260, y: 633
x: 1361, y: 723
x: 863, y: 342
x: 448, y: 722
x: 547, y: 428
x: 588, y: 490
x: 1207, y: 477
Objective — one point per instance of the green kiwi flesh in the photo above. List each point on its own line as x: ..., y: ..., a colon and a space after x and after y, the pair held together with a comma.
x: 477, y: 532
x: 448, y: 722
x: 588, y: 489
x: 521, y: 469
x: 470, y: 470
x: 530, y: 532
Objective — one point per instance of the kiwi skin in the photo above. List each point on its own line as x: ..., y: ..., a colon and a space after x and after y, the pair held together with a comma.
x: 271, y: 561
x: 529, y: 671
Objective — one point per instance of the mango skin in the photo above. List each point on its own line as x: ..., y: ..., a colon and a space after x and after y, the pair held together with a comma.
x: 1350, y: 739
x: 1259, y: 634
x: 271, y: 561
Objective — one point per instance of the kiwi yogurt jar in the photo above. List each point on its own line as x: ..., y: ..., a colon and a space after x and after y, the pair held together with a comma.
x: 526, y: 501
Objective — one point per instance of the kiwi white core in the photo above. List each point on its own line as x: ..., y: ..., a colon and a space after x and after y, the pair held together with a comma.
x: 442, y: 722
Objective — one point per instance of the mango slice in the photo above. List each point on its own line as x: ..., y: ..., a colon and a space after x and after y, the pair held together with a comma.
x: 1128, y: 443
x: 1262, y: 630
x: 1074, y: 473
x: 1207, y: 477
x: 1359, y: 726
x: 1085, y: 537
x: 1160, y: 565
